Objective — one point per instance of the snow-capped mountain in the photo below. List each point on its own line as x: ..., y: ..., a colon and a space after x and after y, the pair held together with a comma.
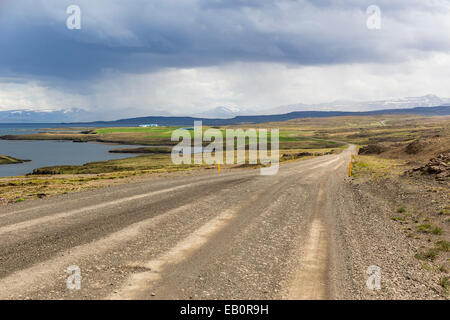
x: 50, y: 116
x: 221, y: 113
x: 346, y: 105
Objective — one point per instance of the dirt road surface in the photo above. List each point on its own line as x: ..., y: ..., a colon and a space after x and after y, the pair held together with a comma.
x: 298, y: 234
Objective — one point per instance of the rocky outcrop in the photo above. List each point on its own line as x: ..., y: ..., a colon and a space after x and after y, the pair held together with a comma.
x: 372, y: 149
x: 438, y: 166
x: 415, y: 147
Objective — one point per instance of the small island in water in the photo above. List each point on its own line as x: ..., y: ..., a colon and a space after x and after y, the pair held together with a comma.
x: 9, y: 160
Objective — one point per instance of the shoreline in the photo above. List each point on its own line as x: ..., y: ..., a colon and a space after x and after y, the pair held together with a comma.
x: 76, y: 138
x: 4, y: 159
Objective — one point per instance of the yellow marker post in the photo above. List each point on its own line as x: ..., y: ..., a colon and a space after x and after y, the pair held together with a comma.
x: 314, y: 154
x: 350, y: 169
x: 218, y: 167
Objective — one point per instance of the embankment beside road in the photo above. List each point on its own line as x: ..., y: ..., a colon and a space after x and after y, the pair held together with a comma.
x: 416, y: 205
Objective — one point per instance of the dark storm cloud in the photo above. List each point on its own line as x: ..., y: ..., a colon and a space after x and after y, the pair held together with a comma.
x: 143, y: 36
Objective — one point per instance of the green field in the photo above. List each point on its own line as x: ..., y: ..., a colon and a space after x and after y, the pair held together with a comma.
x: 164, y: 132
x: 161, y: 136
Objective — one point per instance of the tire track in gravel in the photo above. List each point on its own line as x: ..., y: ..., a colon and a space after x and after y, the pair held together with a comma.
x: 49, y: 205
x: 229, y: 222
x: 46, y: 240
x: 22, y: 280
x: 162, y: 274
x: 30, y: 261
x: 311, y: 279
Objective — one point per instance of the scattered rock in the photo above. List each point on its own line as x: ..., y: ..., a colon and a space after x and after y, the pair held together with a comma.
x: 438, y: 166
x: 307, y: 154
x: 297, y: 155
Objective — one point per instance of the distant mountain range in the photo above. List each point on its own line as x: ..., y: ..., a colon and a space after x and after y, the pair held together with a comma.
x: 221, y: 113
x: 340, y: 105
x: 188, y: 121
x: 404, y: 103
x: 53, y: 116
x: 426, y: 105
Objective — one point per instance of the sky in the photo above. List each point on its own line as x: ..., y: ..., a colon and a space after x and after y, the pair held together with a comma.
x: 136, y: 58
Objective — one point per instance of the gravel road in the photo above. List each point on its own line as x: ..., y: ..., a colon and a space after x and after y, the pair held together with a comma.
x: 199, y: 235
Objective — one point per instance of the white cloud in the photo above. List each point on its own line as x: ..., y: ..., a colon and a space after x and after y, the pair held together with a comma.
x: 251, y: 86
x: 185, y: 57
x: 257, y: 86
x: 35, y: 96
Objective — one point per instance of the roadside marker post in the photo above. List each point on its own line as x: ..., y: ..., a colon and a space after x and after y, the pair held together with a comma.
x: 218, y: 166
x: 350, y: 165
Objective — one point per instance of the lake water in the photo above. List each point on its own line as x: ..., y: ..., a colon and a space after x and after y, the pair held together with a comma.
x: 50, y: 153
x: 27, y: 128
